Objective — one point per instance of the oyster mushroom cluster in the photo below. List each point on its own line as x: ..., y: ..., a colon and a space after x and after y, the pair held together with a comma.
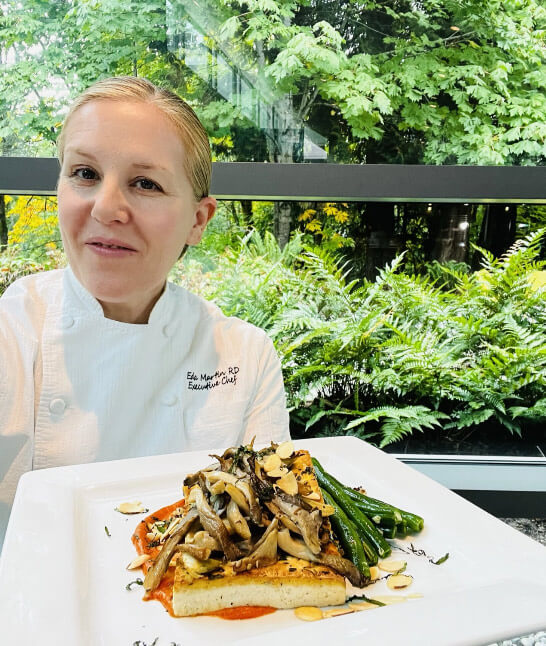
x: 249, y: 509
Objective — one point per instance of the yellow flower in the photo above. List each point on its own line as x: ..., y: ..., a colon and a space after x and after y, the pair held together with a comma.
x: 35, y: 216
x: 314, y: 226
x: 306, y: 215
x: 341, y: 216
x: 330, y: 209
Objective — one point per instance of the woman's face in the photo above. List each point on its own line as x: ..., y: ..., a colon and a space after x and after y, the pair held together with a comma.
x: 126, y: 206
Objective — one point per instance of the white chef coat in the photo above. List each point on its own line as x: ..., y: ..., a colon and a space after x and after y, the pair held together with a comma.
x: 77, y: 387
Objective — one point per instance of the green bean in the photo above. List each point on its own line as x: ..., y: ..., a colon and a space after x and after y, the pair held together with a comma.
x: 348, y: 536
x: 414, y: 522
x: 389, y: 532
x: 364, y: 525
x: 372, y: 506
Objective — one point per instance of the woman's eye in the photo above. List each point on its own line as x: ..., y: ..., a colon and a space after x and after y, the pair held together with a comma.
x: 85, y: 173
x: 147, y: 184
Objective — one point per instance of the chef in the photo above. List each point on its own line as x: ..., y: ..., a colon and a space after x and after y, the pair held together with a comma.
x: 106, y: 359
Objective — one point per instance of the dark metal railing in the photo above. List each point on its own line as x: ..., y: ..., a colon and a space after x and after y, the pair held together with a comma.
x: 327, y: 182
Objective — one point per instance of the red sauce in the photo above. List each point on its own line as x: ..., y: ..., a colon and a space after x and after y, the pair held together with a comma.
x: 164, y: 592
x: 242, y: 612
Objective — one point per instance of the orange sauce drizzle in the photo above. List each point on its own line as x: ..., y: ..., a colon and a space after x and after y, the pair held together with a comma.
x: 242, y: 612
x: 164, y: 592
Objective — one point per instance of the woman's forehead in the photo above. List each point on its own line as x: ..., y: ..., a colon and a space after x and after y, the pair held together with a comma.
x: 124, y: 126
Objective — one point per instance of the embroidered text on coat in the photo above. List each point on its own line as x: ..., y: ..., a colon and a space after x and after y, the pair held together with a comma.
x: 207, y: 381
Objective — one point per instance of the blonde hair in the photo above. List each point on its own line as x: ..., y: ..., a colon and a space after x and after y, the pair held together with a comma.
x: 197, y: 161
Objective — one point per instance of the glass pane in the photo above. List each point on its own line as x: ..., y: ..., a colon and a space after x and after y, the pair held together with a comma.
x: 286, y: 81
x: 389, y: 323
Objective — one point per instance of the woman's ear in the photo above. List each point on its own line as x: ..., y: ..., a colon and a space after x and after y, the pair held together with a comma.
x: 204, y: 211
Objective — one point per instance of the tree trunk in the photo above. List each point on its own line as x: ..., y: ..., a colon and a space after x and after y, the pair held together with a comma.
x: 3, y: 224
x: 498, y: 230
x: 282, y: 225
x: 285, y: 147
x: 382, y: 243
x: 449, y: 227
x: 245, y: 219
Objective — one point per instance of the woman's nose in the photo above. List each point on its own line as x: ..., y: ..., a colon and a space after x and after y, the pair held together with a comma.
x: 110, y: 203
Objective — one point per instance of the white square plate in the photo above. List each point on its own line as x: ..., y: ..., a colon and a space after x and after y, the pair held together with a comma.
x: 63, y: 578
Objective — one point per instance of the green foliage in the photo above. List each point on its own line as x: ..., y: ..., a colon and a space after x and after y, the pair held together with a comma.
x: 441, y: 83
x: 387, y: 358
x: 15, y: 264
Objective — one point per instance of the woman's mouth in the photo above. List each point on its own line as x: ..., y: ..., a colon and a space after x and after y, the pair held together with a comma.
x: 110, y: 249
x: 110, y: 246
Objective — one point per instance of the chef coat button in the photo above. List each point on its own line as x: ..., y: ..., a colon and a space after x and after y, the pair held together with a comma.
x: 67, y: 321
x: 169, y: 329
x: 57, y: 406
x: 169, y: 400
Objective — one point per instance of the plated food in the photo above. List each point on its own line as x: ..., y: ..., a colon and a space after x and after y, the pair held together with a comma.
x: 263, y: 528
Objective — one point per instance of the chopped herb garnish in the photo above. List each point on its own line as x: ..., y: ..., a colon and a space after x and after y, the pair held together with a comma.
x: 107, y: 531
x: 365, y: 598
x: 135, y: 582
x: 161, y: 526
x: 420, y: 552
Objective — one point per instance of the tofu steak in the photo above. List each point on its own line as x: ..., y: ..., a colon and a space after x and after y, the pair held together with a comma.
x: 253, y: 531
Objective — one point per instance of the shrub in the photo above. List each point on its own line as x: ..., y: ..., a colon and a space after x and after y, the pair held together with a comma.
x: 386, y: 358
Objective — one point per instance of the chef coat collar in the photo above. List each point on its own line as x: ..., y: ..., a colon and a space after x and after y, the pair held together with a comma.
x: 91, y: 305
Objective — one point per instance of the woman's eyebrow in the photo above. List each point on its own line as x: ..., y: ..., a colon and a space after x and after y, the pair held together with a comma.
x: 145, y: 166
x: 139, y: 165
x: 81, y: 153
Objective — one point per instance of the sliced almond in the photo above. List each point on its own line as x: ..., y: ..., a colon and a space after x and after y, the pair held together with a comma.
x: 135, y: 507
x: 364, y: 605
x: 308, y: 613
x: 138, y: 561
x: 399, y: 581
x: 272, y: 462
x: 285, y: 450
x: 171, y: 528
x: 277, y: 473
x: 392, y: 566
x: 288, y: 484
x: 374, y: 572
x: 313, y: 495
x: 337, y: 612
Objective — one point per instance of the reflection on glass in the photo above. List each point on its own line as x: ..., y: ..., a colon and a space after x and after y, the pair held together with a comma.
x: 198, y: 38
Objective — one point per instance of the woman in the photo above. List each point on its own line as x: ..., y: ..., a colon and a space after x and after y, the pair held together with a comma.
x: 106, y: 359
